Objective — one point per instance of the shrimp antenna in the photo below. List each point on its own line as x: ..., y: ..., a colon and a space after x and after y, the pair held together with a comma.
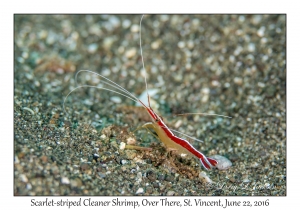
x: 206, y: 114
x: 144, y: 70
x: 102, y: 88
x: 175, y: 131
x: 120, y: 90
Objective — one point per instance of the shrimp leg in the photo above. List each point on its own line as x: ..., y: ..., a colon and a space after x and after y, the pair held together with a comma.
x: 147, y: 126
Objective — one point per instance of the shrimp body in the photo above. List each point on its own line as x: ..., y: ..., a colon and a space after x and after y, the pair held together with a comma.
x: 173, y: 142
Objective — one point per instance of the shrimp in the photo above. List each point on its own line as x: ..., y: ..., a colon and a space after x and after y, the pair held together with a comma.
x: 171, y: 141
x: 165, y: 134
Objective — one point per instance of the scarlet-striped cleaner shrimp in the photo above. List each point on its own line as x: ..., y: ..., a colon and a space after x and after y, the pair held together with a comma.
x: 166, y: 135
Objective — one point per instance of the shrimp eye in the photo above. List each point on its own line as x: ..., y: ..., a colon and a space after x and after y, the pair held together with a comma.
x: 156, y: 119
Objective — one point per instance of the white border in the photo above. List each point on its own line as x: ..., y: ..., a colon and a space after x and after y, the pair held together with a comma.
x: 187, y: 6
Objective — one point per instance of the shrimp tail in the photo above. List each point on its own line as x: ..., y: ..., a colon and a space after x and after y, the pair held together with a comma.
x: 208, y: 162
x: 213, y: 162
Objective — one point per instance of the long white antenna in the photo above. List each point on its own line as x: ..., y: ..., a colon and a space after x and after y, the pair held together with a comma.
x: 122, y: 91
x: 207, y: 114
x: 109, y: 82
x: 145, y: 72
x: 102, y: 88
x: 193, y: 138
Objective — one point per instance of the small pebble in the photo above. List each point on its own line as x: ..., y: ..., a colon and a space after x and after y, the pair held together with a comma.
x: 170, y: 193
x: 131, y: 140
x: 256, y: 19
x: 139, y: 175
x: 261, y: 31
x: 103, y: 136
x: 155, y: 45
x: 190, y: 44
x: 251, y: 47
x: 178, y: 124
x: 204, y: 177
x: 28, y: 186
x: 242, y: 18
x: 188, y: 66
x: 254, y: 165
x: 23, y: 178
x: 181, y: 44
x: 42, y: 34
x: 164, y: 18
x: 92, y: 48
x: 246, y: 180
x: 122, y: 146
x: 95, y: 156
x: 205, y: 91
x: 130, y: 53
x: 123, y: 162
x: 135, y: 28
x: 238, y: 50
x: 260, y: 84
x: 126, y: 23
x: 17, y: 159
x: 223, y: 162
x: 215, y: 83
x: 205, y: 98
x: 107, y: 42
x: 140, y: 191
x: 101, y: 175
x: 51, y: 38
x: 114, y: 21
x: 238, y: 80
x: 227, y: 85
x: 65, y: 180
x: 116, y: 99
x: 250, y: 57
